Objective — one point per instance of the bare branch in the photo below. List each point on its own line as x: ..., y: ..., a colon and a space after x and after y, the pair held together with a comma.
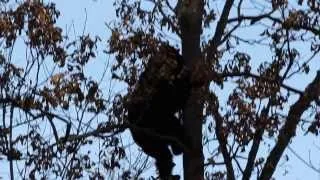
x: 222, y: 138
x: 248, y: 74
x: 255, y: 144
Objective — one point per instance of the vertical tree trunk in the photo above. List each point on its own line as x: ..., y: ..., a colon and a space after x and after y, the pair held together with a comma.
x: 190, y: 20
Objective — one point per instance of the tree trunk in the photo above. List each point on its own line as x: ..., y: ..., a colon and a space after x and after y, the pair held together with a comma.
x: 190, y: 20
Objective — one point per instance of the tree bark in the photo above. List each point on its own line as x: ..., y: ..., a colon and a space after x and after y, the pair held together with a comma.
x: 288, y: 131
x: 190, y: 21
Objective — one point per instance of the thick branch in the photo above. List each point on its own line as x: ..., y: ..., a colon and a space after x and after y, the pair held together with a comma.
x: 190, y: 21
x: 221, y: 26
x: 220, y: 29
x: 311, y: 93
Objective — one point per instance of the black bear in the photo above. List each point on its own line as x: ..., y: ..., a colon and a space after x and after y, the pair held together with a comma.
x: 154, y: 106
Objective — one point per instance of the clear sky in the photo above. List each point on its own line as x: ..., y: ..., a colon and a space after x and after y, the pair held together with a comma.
x: 97, y: 13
